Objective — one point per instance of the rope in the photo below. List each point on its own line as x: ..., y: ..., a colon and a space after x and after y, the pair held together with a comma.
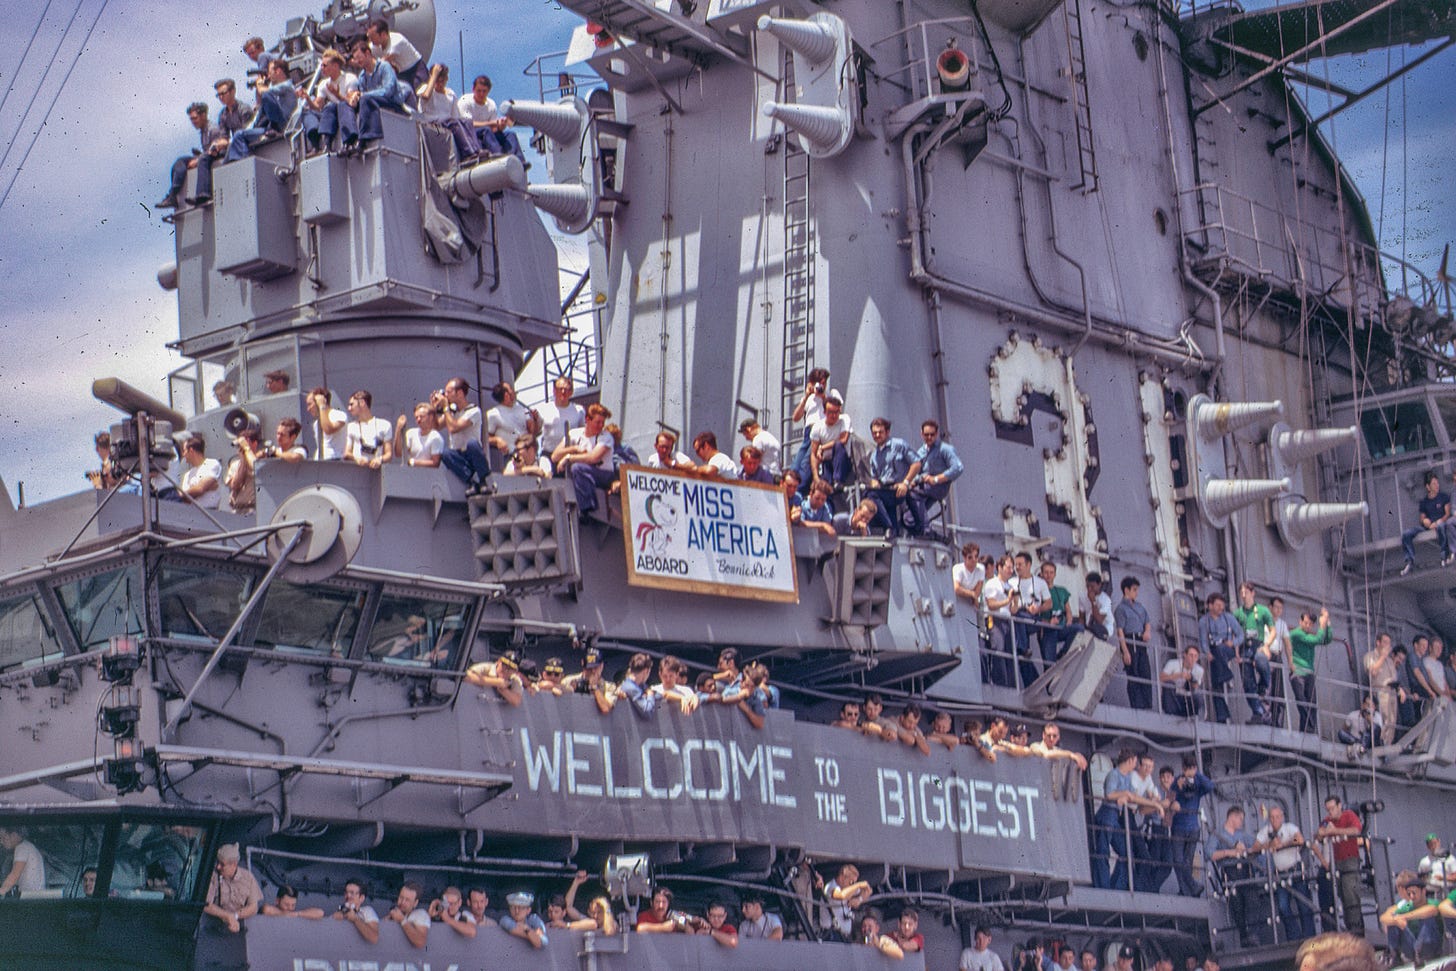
x: 51, y: 62
x: 21, y: 63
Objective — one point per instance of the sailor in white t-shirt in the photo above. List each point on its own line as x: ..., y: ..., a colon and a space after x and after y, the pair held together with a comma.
x: 559, y: 416
x: 759, y: 438
x: 829, y: 442
x: 509, y: 419
x: 394, y: 47
x: 588, y: 457
x: 203, y: 476
x: 460, y: 419
x: 368, y: 441
x: 423, y: 444
x: 329, y: 425
x: 666, y: 456
x: 27, y: 866
x: 715, y: 464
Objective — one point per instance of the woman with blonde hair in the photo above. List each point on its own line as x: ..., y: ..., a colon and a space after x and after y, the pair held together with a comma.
x: 598, y: 916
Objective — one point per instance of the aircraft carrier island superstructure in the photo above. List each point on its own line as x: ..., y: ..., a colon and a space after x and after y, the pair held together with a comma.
x: 1103, y: 245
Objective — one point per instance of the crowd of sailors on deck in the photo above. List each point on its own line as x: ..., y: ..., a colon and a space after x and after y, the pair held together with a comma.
x: 338, y: 110
x: 836, y: 483
x: 848, y: 908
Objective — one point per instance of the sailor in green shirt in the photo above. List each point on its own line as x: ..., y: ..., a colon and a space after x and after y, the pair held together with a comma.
x: 1057, y: 636
x: 1409, y: 924
x: 1302, y: 642
x: 1256, y: 673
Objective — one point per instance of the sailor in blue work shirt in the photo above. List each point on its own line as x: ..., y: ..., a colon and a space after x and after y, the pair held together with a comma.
x: 521, y: 923
x: 1111, y: 824
x: 1434, y: 512
x: 1133, y: 626
x: 379, y: 88
x: 936, y: 466
x: 890, y: 464
x: 276, y: 101
x: 1189, y: 790
x: 1220, y: 635
x: 634, y: 685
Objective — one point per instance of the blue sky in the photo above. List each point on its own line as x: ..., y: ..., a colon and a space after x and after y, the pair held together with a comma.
x: 79, y: 248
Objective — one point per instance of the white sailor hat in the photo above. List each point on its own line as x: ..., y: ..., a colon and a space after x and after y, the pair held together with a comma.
x: 520, y: 899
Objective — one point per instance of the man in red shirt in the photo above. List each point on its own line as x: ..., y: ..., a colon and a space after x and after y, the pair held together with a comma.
x: 1342, y: 828
x: 907, y: 931
x: 660, y: 919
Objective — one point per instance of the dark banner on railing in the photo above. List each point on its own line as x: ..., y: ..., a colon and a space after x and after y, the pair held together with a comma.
x: 711, y: 776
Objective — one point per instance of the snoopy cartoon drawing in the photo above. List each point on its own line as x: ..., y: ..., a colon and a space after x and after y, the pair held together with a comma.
x: 655, y: 535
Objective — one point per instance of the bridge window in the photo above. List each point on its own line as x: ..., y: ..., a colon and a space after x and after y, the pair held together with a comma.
x: 310, y: 619
x: 67, y: 851
x: 105, y: 604
x: 1398, y: 429
x: 157, y: 862
x: 25, y: 635
x: 413, y: 630
x: 200, y: 602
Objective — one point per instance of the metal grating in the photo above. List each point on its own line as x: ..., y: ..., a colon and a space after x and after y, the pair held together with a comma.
x: 525, y: 538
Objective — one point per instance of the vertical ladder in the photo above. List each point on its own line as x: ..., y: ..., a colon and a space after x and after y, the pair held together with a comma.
x: 800, y: 249
x: 1081, y: 106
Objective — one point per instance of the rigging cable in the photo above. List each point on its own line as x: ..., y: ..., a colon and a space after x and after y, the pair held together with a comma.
x: 26, y: 53
x: 51, y: 107
x: 50, y: 63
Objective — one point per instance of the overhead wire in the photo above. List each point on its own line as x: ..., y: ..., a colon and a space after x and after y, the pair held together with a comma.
x: 50, y: 63
x: 76, y: 59
x: 26, y: 53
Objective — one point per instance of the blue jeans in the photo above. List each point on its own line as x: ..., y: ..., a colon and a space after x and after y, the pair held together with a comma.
x: 1185, y: 843
x: 1002, y: 647
x: 1255, y: 674
x: 204, y: 174
x: 1292, y: 902
x: 1424, y: 943
x: 1024, y: 624
x: 586, y: 479
x: 1443, y: 533
x: 916, y: 501
x: 506, y: 143
x: 1139, y: 677
x: 370, y: 127
x: 834, y: 465
x: 320, y: 126
x: 1221, y: 673
x: 468, y: 464
x: 1056, y: 640
x: 887, y: 515
x: 1110, y: 835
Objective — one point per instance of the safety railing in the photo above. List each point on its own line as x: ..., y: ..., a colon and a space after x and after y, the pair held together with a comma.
x: 1258, y: 240
x: 555, y: 80
x: 925, y: 42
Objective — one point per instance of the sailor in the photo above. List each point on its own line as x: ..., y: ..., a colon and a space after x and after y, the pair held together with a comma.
x: 715, y: 464
x: 1283, y: 841
x: 330, y: 425
x: 848, y: 717
x: 328, y: 112
x: 448, y: 909
x: 379, y: 89
x: 589, y: 681
x: 869, y: 933
x: 1220, y: 636
x: 1362, y: 726
x: 1033, y: 601
x: 588, y: 458
x: 907, y: 931
x: 1437, y: 867
x: 476, y: 901
x: 672, y: 685
x: 27, y: 867
x: 286, y: 447
x: 233, y: 894
x: 213, y: 142
x: 979, y: 956
x: 997, y: 666
x: 241, y: 479
x: 1182, y: 680
x: 936, y: 466
x: 942, y: 730
x: 1059, y: 628
x: 758, y: 924
x: 368, y: 441
x: 1302, y: 642
x: 527, y: 460
x: 1255, y: 619
x: 890, y: 462
x: 509, y: 419
x: 438, y: 105
x: 829, y: 442
x: 257, y: 52
x: 1432, y: 512
x: 665, y: 454
x: 634, y: 685
x: 1050, y: 746
x: 767, y: 445
x: 1342, y: 827
x: 751, y: 467
x: 969, y: 577
x: 277, y: 99
x: 1413, y: 923
x: 491, y: 130
x: 460, y: 420
x: 718, y: 927
x: 393, y: 47
x: 1095, y: 607
x: 234, y: 115
x: 503, y: 674
x: 810, y: 411
x: 908, y: 728
x: 285, y: 904
x: 846, y: 893
x: 413, y: 919
x: 816, y: 512
x: 660, y: 918
x: 1228, y: 848
x: 1112, y: 823
x: 201, y: 481
x: 423, y: 444
x: 560, y: 415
